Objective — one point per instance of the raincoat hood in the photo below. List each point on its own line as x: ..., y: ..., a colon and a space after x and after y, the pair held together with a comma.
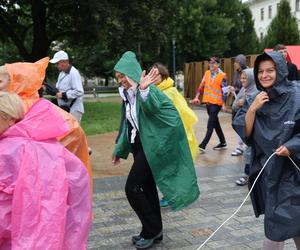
x: 129, y: 66
x: 38, y: 124
x: 281, y: 81
x: 251, y: 87
x: 165, y: 84
x: 27, y: 78
x: 241, y: 59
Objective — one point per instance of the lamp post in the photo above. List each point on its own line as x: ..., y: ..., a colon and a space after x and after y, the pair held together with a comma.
x: 174, y: 60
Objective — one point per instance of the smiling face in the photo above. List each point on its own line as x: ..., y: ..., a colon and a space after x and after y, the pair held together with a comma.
x: 267, y: 73
x: 244, y: 79
x: 122, y: 79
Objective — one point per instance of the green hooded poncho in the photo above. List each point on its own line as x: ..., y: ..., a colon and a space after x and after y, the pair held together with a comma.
x: 163, y: 139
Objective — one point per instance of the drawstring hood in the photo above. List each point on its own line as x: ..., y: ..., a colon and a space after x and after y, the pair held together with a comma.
x: 281, y: 81
x: 129, y: 66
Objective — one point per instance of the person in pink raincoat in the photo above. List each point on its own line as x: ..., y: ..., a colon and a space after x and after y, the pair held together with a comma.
x: 45, y: 200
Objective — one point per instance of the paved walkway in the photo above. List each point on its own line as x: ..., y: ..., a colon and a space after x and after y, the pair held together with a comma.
x: 115, y: 222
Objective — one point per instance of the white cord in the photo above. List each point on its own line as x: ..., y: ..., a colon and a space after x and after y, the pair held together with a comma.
x: 244, y: 199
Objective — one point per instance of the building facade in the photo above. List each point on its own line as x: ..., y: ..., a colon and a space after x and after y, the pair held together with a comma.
x: 263, y: 11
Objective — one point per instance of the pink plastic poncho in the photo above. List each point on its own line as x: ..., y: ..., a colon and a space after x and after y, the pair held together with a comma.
x: 45, y: 200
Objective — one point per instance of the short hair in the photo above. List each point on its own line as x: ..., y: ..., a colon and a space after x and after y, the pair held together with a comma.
x: 215, y: 59
x: 279, y: 47
x: 4, y: 75
x: 11, y: 106
x: 162, y: 69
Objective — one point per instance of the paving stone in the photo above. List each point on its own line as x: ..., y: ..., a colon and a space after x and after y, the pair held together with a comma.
x: 115, y: 222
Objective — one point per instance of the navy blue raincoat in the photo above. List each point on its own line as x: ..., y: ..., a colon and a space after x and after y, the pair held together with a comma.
x: 277, y: 192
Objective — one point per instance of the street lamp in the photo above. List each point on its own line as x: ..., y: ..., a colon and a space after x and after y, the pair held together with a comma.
x: 174, y: 60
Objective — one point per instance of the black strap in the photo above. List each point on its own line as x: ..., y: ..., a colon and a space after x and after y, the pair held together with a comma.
x: 71, y: 104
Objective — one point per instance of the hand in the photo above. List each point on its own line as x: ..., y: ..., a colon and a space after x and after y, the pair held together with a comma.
x: 195, y: 101
x: 151, y: 77
x: 282, y: 151
x: 224, y: 108
x: 115, y: 160
x: 259, y: 101
x: 231, y: 89
x: 241, y: 102
x: 59, y: 95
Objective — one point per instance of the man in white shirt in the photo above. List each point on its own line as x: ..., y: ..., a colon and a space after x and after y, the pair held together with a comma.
x: 69, y: 85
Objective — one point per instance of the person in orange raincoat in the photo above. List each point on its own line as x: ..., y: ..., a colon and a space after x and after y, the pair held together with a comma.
x: 25, y: 79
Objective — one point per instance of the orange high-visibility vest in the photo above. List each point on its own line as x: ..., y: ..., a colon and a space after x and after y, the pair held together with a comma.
x: 213, y: 88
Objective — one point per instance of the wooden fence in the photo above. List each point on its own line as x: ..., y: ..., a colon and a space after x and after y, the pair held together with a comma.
x: 194, y: 71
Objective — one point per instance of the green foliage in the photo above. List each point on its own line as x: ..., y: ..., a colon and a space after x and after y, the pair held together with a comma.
x: 242, y: 36
x: 214, y: 27
x: 201, y: 30
x: 283, y: 28
x: 96, y: 33
x: 101, y: 117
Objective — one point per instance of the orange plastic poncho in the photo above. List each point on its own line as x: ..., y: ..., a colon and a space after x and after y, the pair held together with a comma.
x: 25, y: 80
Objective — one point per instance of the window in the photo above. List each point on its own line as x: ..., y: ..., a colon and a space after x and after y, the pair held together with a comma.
x: 297, y: 5
x: 261, y: 36
x: 270, y: 11
x: 262, y: 14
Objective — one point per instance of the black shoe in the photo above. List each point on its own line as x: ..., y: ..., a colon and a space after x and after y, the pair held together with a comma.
x: 220, y: 146
x: 156, y: 239
x: 202, y: 149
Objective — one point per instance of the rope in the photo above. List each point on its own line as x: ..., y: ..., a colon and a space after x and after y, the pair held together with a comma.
x: 244, y: 199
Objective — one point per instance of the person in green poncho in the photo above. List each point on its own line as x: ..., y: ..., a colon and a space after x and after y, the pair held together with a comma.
x: 188, y: 117
x: 151, y: 129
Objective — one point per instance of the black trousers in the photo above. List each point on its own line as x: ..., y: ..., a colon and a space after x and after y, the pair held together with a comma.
x: 213, y: 123
x: 142, y: 194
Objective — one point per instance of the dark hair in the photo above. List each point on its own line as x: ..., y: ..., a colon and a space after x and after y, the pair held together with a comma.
x: 279, y: 47
x: 162, y: 69
x: 216, y: 59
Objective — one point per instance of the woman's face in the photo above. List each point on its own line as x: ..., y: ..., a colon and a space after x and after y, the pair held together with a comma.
x: 236, y: 66
x: 5, y: 123
x: 158, y: 78
x: 244, y: 80
x: 123, y: 80
x: 267, y: 73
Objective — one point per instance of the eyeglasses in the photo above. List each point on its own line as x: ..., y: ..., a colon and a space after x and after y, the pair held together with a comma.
x: 267, y: 71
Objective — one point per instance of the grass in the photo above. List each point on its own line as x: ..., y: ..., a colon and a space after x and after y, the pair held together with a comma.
x: 101, y: 117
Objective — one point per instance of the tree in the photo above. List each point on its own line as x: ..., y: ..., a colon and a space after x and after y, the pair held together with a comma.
x: 242, y: 36
x: 32, y: 25
x: 201, y: 30
x: 283, y: 28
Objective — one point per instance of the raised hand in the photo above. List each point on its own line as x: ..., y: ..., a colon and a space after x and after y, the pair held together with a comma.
x: 150, y: 78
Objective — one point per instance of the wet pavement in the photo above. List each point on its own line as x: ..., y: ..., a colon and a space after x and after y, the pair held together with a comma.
x: 115, y: 222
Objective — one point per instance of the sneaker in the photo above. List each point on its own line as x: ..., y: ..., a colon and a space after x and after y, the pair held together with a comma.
x: 220, y: 146
x: 237, y: 152
x: 147, y: 243
x: 202, y: 149
x: 163, y: 203
x: 136, y: 238
x: 242, y: 181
